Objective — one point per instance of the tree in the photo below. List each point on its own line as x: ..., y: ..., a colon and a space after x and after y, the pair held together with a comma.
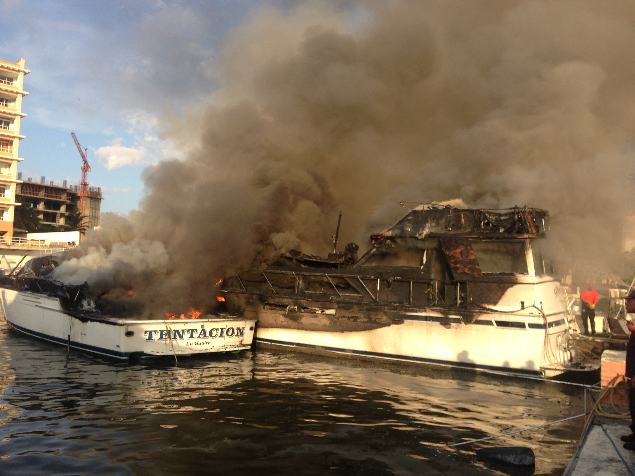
x: 25, y: 218
x: 75, y: 222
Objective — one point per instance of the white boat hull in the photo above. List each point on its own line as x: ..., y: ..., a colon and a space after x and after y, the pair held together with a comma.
x: 42, y: 316
x: 474, y: 346
x: 522, y: 341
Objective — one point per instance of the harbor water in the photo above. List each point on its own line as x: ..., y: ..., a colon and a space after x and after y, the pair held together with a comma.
x: 263, y: 412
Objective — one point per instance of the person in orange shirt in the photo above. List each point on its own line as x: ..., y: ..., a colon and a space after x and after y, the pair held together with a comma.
x: 589, y: 298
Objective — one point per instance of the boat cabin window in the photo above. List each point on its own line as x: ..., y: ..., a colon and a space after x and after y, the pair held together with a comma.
x: 501, y: 257
x: 542, y: 264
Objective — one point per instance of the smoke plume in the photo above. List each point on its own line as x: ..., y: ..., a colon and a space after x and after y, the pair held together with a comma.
x: 322, y: 109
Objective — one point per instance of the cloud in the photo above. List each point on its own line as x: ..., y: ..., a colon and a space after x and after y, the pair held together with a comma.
x: 147, y: 148
x: 112, y: 190
x: 115, y: 156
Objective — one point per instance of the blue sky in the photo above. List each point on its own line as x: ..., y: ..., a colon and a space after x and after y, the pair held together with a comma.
x: 107, y: 70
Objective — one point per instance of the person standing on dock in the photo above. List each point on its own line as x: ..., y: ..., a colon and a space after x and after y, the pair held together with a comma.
x: 630, y: 371
x: 589, y: 299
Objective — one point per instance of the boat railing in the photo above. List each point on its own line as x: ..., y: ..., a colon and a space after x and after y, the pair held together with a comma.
x: 349, y: 287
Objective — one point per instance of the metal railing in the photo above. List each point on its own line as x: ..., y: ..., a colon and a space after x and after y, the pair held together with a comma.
x: 35, y: 244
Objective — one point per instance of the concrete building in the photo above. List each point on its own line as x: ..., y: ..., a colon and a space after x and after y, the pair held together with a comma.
x: 11, y: 94
x: 54, y: 203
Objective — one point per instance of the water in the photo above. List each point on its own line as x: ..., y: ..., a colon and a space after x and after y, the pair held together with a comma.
x: 264, y: 412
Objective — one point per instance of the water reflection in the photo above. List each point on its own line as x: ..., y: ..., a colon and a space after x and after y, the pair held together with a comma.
x: 261, y: 411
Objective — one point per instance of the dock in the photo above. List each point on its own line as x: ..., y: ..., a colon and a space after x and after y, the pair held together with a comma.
x: 601, y: 450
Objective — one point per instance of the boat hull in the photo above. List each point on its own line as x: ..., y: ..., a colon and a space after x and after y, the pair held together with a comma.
x: 524, y: 341
x: 473, y: 346
x: 42, y: 316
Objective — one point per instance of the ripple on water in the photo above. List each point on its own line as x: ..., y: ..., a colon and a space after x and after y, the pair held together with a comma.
x: 262, y: 411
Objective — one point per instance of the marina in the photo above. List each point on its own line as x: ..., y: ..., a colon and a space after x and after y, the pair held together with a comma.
x: 173, y: 300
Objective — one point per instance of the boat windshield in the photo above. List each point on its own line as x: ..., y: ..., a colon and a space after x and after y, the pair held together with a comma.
x: 542, y: 263
x: 498, y: 257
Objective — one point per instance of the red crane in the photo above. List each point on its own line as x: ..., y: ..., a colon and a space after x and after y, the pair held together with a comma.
x: 83, y: 185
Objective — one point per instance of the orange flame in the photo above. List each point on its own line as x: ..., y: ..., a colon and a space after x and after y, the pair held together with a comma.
x: 218, y: 282
x: 194, y: 313
x: 220, y: 298
x: 191, y: 314
x: 132, y: 293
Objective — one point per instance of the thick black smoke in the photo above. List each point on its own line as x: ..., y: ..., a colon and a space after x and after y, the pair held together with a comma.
x: 496, y: 103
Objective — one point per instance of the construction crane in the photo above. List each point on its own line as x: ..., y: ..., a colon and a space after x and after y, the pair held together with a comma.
x: 83, y: 185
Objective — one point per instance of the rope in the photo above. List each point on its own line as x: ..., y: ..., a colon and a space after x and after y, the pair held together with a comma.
x: 628, y: 468
x: 176, y: 361
x: 4, y: 311
x: 517, y: 431
x: 607, y: 392
x: 541, y: 379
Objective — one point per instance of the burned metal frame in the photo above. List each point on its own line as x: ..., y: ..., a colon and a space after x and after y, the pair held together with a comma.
x: 359, y: 282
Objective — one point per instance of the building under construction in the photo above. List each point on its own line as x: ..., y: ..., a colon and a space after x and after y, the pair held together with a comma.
x: 54, y: 203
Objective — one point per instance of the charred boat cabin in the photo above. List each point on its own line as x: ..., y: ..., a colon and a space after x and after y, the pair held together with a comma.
x: 445, y: 285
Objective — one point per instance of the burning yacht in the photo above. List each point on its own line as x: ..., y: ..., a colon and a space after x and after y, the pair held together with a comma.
x: 35, y: 305
x: 445, y: 285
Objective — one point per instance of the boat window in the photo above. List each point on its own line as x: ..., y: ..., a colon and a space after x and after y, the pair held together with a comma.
x: 402, y: 257
x: 518, y: 325
x: 542, y: 264
x: 501, y: 257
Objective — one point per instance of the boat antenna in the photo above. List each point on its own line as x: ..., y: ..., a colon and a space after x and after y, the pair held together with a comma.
x: 336, y: 236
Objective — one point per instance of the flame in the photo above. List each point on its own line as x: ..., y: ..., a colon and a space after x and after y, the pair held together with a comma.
x: 132, y: 293
x: 220, y: 298
x: 218, y: 282
x: 191, y: 314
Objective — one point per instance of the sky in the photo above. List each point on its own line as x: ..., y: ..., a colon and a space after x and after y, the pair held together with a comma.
x: 107, y: 71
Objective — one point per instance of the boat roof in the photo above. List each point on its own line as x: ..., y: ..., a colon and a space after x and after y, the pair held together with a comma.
x: 443, y: 220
